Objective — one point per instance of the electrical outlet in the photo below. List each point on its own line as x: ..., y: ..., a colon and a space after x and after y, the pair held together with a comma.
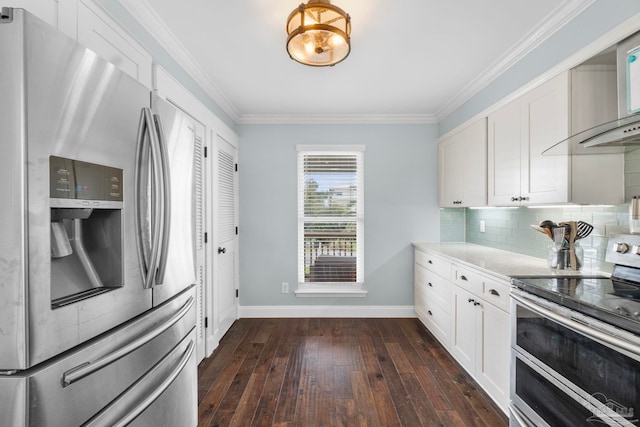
x: 285, y: 287
x: 482, y: 225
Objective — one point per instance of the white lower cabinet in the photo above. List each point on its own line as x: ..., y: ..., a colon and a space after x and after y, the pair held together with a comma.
x: 432, y: 294
x: 468, y: 312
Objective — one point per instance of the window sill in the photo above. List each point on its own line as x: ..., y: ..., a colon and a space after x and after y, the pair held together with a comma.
x: 328, y: 291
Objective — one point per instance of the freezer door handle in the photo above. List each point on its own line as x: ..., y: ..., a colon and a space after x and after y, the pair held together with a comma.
x: 81, y: 371
x: 120, y: 412
x: 148, y: 162
x: 166, y: 191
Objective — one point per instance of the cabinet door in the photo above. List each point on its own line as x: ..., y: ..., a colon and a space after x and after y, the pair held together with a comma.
x: 451, y: 173
x: 97, y: 32
x: 493, y: 351
x: 504, y: 146
x: 545, y: 122
x: 463, y: 167
x: 463, y: 331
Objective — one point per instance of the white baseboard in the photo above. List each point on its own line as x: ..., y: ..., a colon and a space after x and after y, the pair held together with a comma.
x: 253, y: 311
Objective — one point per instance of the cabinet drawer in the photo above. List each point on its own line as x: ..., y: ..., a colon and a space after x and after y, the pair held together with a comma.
x: 468, y: 279
x: 496, y: 293
x: 435, y: 288
x: 433, y: 263
x: 435, y: 318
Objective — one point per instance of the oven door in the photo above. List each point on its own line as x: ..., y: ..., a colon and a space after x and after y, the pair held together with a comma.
x: 569, y: 369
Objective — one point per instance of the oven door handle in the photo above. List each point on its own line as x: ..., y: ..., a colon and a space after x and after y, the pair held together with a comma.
x: 579, y: 327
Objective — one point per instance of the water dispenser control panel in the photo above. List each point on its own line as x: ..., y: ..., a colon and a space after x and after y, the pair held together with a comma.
x: 74, y: 179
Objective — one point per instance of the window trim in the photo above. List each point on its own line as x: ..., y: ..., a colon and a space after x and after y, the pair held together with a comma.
x: 343, y: 289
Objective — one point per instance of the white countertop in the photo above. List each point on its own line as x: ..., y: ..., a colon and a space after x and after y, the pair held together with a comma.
x: 497, y: 262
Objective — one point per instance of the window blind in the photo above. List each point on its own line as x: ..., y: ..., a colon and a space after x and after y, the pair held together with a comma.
x: 330, y: 216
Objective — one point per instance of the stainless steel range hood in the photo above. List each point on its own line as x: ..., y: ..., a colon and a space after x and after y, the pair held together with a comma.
x: 622, y: 134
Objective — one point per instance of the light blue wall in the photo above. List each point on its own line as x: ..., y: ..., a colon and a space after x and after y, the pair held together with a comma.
x: 597, y: 20
x: 400, y: 168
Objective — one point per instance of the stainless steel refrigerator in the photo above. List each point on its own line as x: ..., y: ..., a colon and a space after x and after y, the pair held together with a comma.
x: 97, y: 302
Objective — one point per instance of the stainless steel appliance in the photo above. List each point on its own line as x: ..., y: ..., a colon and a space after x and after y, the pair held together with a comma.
x: 576, y: 345
x: 623, y: 132
x: 97, y: 304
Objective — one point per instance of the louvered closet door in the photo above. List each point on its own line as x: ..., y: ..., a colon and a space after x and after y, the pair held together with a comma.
x: 225, y: 219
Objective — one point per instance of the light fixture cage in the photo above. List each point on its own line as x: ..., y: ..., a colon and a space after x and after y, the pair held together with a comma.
x: 319, y: 34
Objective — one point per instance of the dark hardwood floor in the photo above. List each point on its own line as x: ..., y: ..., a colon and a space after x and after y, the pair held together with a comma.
x: 337, y: 372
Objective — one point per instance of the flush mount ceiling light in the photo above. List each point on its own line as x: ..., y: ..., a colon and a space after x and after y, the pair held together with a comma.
x: 318, y: 34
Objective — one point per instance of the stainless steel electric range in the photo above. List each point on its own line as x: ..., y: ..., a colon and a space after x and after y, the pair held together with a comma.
x: 575, y: 357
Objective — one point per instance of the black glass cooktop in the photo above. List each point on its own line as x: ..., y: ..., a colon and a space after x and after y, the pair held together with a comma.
x: 612, y: 300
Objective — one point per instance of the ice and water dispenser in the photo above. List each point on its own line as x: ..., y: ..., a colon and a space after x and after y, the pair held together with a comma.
x: 86, y: 230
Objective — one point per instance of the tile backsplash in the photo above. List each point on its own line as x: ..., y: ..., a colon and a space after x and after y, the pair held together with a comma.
x: 508, y: 228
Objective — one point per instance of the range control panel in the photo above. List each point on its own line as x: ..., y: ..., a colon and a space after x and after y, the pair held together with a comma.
x: 74, y: 179
x: 624, y: 249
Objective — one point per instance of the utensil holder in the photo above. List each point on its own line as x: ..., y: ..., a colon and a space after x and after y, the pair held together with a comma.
x: 560, y: 259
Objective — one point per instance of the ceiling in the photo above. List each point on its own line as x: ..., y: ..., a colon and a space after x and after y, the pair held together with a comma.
x: 411, y: 60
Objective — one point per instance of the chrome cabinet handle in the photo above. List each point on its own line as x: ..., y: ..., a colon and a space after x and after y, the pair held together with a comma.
x: 494, y: 292
x: 88, y: 368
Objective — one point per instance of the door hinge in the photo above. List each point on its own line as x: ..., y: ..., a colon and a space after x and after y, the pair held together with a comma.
x: 236, y: 231
x: 236, y: 167
x: 236, y: 293
x: 206, y: 322
x: 205, y: 151
x: 206, y: 237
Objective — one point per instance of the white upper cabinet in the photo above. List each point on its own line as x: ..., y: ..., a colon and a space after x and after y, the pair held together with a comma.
x: 98, y: 32
x: 518, y: 133
x: 594, y: 101
x: 85, y: 22
x: 462, y: 159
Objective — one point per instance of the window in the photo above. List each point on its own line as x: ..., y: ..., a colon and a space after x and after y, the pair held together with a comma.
x: 330, y: 220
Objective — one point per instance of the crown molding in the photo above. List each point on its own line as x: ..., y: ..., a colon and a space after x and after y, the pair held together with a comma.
x: 332, y: 119
x: 150, y: 21
x: 558, y: 18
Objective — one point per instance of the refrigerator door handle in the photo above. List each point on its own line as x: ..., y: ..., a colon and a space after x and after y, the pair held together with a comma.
x: 88, y: 368
x: 127, y: 414
x: 148, y: 155
x: 166, y: 190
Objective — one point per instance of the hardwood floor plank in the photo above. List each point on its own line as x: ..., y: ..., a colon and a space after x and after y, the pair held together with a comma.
x: 399, y: 395
x: 337, y: 372
x: 383, y: 402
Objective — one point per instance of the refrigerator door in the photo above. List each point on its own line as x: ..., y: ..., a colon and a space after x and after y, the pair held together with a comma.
x: 59, y: 99
x: 177, y: 259
x: 141, y: 371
